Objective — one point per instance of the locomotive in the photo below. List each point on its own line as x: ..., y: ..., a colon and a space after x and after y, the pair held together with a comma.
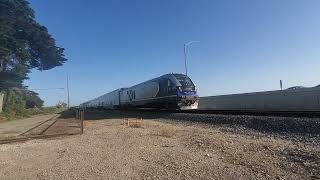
x: 170, y: 91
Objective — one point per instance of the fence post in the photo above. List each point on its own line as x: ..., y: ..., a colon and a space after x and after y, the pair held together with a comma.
x: 82, y: 118
x: 1, y: 101
x: 76, y: 113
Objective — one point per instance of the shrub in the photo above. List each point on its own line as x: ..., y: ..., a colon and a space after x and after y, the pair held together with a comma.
x: 14, y: 105
x: 167, y: 131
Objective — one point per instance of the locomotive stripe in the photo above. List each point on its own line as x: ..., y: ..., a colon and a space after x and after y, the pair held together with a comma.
x: 151, y: 98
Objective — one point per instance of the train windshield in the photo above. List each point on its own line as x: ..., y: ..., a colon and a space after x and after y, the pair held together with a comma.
x: 185, y: 81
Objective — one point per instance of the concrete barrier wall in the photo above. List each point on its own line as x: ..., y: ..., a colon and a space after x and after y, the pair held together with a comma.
x: 306, y: 99
x: 1, y: 101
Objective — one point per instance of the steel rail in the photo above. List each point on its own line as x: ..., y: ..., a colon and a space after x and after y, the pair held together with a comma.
x: 48, y: 127
x: 38, y: 125
x: 23, y: 139
x: 309, y: 114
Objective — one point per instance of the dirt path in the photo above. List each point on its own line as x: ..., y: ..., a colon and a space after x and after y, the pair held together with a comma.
x: 16, y: 127
x: 111, y: 150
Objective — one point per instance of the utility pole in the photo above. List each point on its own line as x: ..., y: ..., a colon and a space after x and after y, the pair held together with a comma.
x: 185, y: 58
x: 68, y: 91
x: 185, y: 54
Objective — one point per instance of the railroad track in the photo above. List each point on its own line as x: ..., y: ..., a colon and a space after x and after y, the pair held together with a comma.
x: 39, y: 126
x: 273, y: 122
x: 260, y: 113
x: 36, y: 132
x: 314, y: 114
x: 23, y: 139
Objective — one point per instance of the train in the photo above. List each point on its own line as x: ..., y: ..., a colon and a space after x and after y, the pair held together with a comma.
x: 177, y: 91
x: 169, y: 91
x: 294, y: 99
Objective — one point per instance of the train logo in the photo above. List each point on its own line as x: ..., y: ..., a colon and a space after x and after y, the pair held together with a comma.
x: 131, y: 94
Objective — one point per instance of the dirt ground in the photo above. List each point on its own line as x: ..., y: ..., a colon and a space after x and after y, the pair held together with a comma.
x: 109, y: 149
x: 16, y: 127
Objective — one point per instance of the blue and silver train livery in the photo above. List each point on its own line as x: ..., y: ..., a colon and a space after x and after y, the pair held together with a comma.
x: 170, y: 91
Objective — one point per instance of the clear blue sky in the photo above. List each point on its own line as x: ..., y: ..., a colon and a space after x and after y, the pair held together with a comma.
x: 246, y: 45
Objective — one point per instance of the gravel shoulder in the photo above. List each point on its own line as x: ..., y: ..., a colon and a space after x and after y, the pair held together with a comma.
x: 109, y: 149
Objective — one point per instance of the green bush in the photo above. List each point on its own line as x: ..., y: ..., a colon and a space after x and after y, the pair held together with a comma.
x: 50, y: 110
x: 20, y: 104
x: 14, y: 105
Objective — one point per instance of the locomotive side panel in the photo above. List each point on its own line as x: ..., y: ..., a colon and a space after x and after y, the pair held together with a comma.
x: 137, y: 95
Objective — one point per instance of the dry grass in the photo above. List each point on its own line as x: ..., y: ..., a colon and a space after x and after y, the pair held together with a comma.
x: 87, y: 123
x: 187, y: 152
x: 167, y: 131
x: 138, y: 123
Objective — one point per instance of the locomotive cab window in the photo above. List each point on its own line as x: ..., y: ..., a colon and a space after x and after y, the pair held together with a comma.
x: 185, y: 82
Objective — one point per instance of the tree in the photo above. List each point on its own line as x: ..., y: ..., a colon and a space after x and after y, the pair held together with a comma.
x: 32, y: 99
x: 25, y: 44
x: 15, y: 103
x: 61, y: 105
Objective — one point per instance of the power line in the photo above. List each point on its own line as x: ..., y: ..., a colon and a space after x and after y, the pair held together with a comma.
x: 47, y: 89
x: 58, y: 88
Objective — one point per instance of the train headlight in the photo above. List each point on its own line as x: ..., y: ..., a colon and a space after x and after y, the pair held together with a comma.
x: 180, y: 89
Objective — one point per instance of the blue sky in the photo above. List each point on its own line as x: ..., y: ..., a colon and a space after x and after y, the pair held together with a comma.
x: 245, y: 45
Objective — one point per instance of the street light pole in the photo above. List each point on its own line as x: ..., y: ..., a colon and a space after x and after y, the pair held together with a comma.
x: 185, y: 54
x: 185, y: 58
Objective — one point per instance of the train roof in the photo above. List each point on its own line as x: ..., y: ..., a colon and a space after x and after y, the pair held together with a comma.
x: 171, y: 76
x: 296, y: 87
x: 163, y: 76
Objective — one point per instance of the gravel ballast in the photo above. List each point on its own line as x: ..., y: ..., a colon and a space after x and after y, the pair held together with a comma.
x: 163, y: 148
